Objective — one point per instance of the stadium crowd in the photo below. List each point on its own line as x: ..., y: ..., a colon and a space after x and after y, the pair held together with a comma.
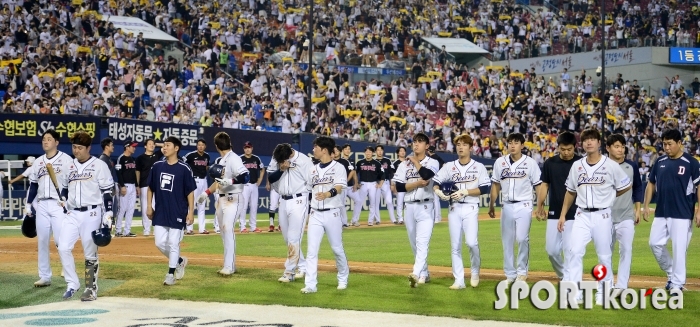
x: 62, y: 58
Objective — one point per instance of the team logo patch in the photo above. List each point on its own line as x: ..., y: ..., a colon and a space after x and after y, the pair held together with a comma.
x: 166, y: 182
x: 453, y: 168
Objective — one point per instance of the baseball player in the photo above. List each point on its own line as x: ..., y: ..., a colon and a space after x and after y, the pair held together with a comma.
x: 229, y: 187
x: 171, y: 183
x: 471, y: 180
x: 674, y: 177
x: 250, y: 190
x: 415, y: 177
x: 351, y: 177
x: 25, y: 174
x: 553, y: 182
x: 516, y: 173
x: 401, y: 154
x: 127, y: 180
x: 199, y: 163
x: 371, y: 178
x: 385, y: 189
x: 49, y: 204
x: 274, y: 204
x: 107, y: 145
x: 144, y: 163
x: 436, y: 206
x: 89, y: 203
x: 288, y: 174
x: 626, y: 209
x: 2, y: 176
x: 328, y: 179
x: 594, y: 181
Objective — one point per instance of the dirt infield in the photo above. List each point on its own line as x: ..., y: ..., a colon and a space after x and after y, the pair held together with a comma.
x: 21, y: 251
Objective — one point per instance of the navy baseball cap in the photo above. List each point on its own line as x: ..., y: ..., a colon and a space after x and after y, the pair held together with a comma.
x: 247, y: 144
x: 131, y: 143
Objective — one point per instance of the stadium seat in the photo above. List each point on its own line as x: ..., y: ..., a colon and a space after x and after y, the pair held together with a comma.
x: 664, y: 92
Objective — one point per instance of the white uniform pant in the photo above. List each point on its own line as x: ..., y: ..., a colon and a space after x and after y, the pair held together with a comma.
x: 228, y: 211
x: 624, y: 232
x: 515, y: 227
x: 250, y: 202
x: 274, y: 200
x: 557, y: 246
x: 438, y: 208
x: 596, y: 226
x: 216, y: 213
x: 330, y: 223
x: 126, y: 208
x: 357, y: 203
x: 399, y: 205
x: 144, y: 209
x: 463, y: 220
x: 344, y: 211
x: 368, y: 189
x: 419, y: 225
x: 78, y: 224
x: 385, y: 193
x: 168, y: 242
x: 679, y: 231
x: 293, y: 214
x: 49, y: 217
x: 201, y: 207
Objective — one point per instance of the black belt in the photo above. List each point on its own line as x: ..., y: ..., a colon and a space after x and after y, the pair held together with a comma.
x: 289, y: 197
x: 221, y: 195
x: 512, y: 202
x: 85, y: 208
x: 200, y: 177
x: 592, y: 209
x: 322, y: 209
x: 419, y: 201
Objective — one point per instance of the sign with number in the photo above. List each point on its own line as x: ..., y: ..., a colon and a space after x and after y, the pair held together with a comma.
x: 685, y: 56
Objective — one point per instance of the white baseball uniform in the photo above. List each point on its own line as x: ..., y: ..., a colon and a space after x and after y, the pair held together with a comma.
x: 399, y: 196
x: 325, y: 217
x: 86, y: 182
x: 145, y: 222
x: 127, y: 202
x: 230, y: 205
x: 49, y: 214
x: 517, y: 179
x: 384, y: 192
x: 293, y: 187
x: 217, y: 217
x: 419, y: 212
x: 201, y: 207
x: 596, y: 187
x: 623, y: 216
x: 463, y: 216
x: 199, y: 164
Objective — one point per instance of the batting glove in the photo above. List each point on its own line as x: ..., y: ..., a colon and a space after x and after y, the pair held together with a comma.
x: 460, y: 194
x: 224, y: 182
x: 202, y: 198
x: 442, y: 195
x: 28, y: 210
x: 107, y: 218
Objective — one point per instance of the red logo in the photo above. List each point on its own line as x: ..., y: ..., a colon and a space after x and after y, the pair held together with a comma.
x: 599, y: 272
x: 503, y: 163
x: 453, y: 168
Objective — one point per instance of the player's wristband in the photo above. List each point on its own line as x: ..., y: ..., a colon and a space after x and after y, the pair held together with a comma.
x: 207, y: 192
x: 333, y: 192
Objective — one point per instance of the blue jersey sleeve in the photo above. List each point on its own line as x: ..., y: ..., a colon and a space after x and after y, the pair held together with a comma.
x: 637, y: 187
x: 653, y: 172
x: 190, y: 184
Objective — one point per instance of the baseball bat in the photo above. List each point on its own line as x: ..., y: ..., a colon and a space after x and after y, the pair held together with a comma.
x: 52, y: 175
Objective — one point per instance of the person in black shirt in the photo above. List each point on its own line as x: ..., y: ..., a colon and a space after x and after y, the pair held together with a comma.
x: 107, y: 145
x: 401, y: 155
x: 256, y: 169
x: 126, y: 178
x: 554, y: 175
x: 385, y: 190
x: 371, y: 178
x: 199, y: 163
x: 438, y: 209
x: 144, y: 163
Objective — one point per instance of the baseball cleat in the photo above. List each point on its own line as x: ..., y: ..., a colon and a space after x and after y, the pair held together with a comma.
x: 42, y: 283
x: 456, y: 286
x: 244, y: 230
x: 88, y: 295
x: 395, y: 222
x: 413, y: 279
x: 342, y: 286
x: 370, y: 224
x: 474, y: 282
x: 299, y: 274
x: 356, y: 224
x: 308, y: 290
x: 286, y: 278
x: 189, y: 232
x: 69, y: 293
x: 401, y: 222
x: 378, y: 223
x: 130, y: 235
x: 279, y: 228
x: 180, y: 269
x: 510, y: 281
x: 146, y: 234
x: 345, y: 225
x: 521, y: 278
x: 217, y: 231
x: 169, y: 280
x: 668, y: 285
x: 205, y: 232
x: 118, y: 234
x: 423, y: 279
x: 272, y: 228
x: 257, y: 230
x: 226, y: 272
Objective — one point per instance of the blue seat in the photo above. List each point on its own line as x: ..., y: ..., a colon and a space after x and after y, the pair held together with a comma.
x: 2, y: 94
x: 689, y: 92
x: 664, y: 92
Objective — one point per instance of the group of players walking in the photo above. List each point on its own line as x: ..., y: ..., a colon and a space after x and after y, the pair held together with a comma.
x: 588, y: 200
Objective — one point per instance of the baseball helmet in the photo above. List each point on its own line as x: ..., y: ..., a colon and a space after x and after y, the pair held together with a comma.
x: 448, y: 188
x: 29, y: 226
x: 102, y: 236
x: 216, y: 171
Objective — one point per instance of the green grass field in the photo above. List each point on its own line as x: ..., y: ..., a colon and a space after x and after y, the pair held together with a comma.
x: 371, y: 292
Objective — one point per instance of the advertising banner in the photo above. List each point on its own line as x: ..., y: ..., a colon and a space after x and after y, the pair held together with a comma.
x: 27, y: 128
